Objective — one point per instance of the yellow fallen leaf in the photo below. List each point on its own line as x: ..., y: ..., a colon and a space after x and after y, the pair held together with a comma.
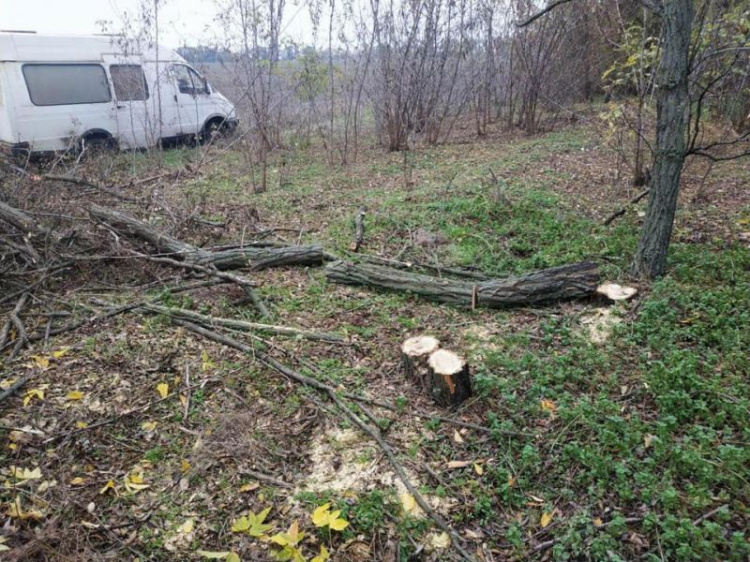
x: 511, y: 481
x: 46, y: 485
x: 41, y: 361
x: 408, y: 503
x: 16, y: 511
x: 75, y: 395
x: 598, y: 521
x: 458, y: 464
x: 163, y: 389
x: 249, y: 487
x: 78, y: 481
x: 134, y: 482
x: 324, y: 517
x: 457, y: 437
x: 22, y: 474
x: 478, y: 468
x: 183, y: 400
x: 184, y: 466
x: 110, y: 485
x: 545, y: 520
x: 31, y: 394
x: 548, y: 405
x: 324, y: 556
x: 12, y: 446
x: 206, y: 362
x: 186, y: 527
x: 3, y: 547
x: 440, y: 541
x: 81, y: 425
x: 149, y: 425
x: 7, y: 383
x: 647, y: 439
x: 60, y: 352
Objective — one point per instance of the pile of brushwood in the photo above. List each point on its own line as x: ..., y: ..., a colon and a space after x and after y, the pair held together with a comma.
x: 59, y: 232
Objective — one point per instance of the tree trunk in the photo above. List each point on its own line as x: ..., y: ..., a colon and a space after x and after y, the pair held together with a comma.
x: 415, y: 352
x: 253, y: 256
x: 671, y: 126
x: 565, y: 282
x: 449, y: 375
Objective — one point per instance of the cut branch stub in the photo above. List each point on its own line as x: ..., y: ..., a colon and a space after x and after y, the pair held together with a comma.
x: 449, y: 376
x: 415, y: 352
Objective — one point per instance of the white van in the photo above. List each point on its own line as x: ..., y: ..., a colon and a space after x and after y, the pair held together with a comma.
x: 60, y: 93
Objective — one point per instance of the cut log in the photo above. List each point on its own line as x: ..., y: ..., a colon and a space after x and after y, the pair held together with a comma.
x: 255, y: 257
x: 415, y: 352
x: 449, y: 375
x: 557, y: 283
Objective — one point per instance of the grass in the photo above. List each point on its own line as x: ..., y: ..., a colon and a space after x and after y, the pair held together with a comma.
x: 637, y: 448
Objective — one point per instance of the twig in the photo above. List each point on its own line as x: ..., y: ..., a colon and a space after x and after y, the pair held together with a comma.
x: 709, y: 515
x: 630, y: 203
x: 241, y: 324
x: 15, y: 387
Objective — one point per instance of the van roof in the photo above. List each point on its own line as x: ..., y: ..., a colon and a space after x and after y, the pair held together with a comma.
x: 34, y: 47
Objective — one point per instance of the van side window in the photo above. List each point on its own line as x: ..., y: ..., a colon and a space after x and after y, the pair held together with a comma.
x: 189, y: 81
x: 129, y: 82
x: 64, y: 84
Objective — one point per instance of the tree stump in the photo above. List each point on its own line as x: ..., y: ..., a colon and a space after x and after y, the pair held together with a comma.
x: 415, y: 352
x: 449, y: 377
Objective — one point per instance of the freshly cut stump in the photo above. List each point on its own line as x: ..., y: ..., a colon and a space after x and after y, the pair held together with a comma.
x: 415, y: 352
x: 449, y: 375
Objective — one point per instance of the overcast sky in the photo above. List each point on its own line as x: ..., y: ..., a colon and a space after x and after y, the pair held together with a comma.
x: 182, y: 22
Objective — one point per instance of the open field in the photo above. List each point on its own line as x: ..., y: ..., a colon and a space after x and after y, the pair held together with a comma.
x: 632, y: 446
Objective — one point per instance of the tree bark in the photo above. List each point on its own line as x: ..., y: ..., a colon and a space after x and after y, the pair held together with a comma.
x: 256, y: 257
x: 415, y: 352
x: 671, y: 143
x: 565, y: 282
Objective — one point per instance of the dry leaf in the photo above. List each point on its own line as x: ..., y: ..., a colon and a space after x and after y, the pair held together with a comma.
x: 598, y: 522
x: 60, y: 352
x: 647, y: 439
x: 324, y: 517
x: 40, y: 361
x: 458, y: 464
x: 478, y: 468
x: 110, y: 485
x: 75, y: 395
x: 545, y: 520
x: 149, y: 426
x: 163, y: 389
x: 78, y: 481
x: 31, y: 394
x: 249, y: 487
x: 548, y: 405
x: 440, y: 541
x: 457, y: 437
x: 186, y: 527
x: 81, y: 425
x: 408, y: 503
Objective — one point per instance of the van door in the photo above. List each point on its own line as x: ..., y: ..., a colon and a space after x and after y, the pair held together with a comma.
x: 193, y: 98
x: 132, y: 107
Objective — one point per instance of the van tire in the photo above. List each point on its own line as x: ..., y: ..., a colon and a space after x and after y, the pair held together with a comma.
x: 212, y: 129
x: 95, y: 145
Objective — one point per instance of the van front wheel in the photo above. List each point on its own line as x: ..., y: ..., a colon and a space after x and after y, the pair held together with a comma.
x: 212, y: 130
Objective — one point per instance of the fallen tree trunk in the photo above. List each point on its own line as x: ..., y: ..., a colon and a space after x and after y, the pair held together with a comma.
x: 255, y: 257
x: 557, y: 283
